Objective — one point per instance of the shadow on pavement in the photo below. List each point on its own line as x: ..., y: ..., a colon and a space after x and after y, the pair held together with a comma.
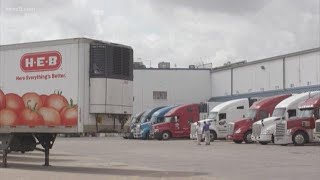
x: 105, y: 171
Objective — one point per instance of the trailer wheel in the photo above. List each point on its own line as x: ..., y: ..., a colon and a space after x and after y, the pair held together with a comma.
x: 166, y: 135
x: 299, y: 138
x: 237, y: 141
x: 247, y: 137
x: 213, y: 136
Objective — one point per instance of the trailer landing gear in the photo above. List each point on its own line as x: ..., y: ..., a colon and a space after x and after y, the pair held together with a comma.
x: 19, y: 143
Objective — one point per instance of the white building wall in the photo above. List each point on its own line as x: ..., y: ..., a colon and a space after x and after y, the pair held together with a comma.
x: 302, y: 70
x: 258, y: 77
x: 221, y: 83
x: 182, y: 87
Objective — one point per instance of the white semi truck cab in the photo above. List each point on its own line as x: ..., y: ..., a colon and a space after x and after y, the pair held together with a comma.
x: 302, y: 129
x: 221, y: 115
x: 263, y: 130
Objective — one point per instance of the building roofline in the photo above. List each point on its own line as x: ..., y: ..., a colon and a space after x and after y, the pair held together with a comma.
x: 56, y: 42
x: 158, y: 69
x: 235, y: 65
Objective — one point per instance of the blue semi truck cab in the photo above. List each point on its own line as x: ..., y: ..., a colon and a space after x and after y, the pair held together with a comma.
x: 144, y: 118
x: 143, y: 129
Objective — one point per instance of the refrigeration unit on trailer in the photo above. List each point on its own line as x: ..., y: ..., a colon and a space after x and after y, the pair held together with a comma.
x: 241, y: 130
x: 263, y: 130
x: 302, y: 129
x: 221, y: 115
x: 61, y: 86
x: 177, y: 122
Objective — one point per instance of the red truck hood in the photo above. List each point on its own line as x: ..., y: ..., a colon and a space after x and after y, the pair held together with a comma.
x: 243, y: 123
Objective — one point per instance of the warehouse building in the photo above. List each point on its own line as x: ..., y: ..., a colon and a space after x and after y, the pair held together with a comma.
x: 290, y: 73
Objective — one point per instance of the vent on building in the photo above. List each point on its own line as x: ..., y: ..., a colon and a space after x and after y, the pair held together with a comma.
x: 309, y: 83
x: 276, y: 87
x: 192, y: 66
x: 139, y: 65
x: 164, y: 65
x: 292, y: 85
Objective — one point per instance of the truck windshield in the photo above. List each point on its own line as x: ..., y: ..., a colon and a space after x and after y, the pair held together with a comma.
x: 168, y: 119
x: 251, y: 113
x: 306, y: 113
x: 134, y: 120
x: 212, y: 115
x: 278, y: 112
x: 156, y: 119
x: 144, y: 118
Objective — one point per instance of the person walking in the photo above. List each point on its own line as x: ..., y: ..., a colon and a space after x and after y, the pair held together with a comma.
x: 206, y: 131
x: 199, y: 133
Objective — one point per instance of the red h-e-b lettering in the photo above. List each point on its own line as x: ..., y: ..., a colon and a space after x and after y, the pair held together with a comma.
x: 41, y: 61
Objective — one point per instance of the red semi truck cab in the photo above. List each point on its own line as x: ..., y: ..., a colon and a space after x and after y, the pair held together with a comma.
x: 302, y: 129
x: 241, y: 130
x: 177, y: 122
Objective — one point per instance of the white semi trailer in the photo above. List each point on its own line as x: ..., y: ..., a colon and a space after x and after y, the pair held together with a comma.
x: 61, y: 86
x: 263, y: 130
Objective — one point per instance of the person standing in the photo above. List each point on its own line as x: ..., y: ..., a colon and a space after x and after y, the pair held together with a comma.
x: 206, y: 131
x: 199, y: 133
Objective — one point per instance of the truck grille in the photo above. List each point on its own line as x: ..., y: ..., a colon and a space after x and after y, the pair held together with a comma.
x: 280, y: 129
x: 230, y: 128
x: 317, y: 127
x: 256, y: 130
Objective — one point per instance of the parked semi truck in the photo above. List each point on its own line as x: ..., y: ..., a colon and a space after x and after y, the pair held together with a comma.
x: 223, y: 114
x: 241, y: 130
x: 177, y: 122
x: 302, y: 129
x: 130, y: 125
x: 157, y: 117
x: 61, y: 86
x: 263, y: 130
x: 146, y: 117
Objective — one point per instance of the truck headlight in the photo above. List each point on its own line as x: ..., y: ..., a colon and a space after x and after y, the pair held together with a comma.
x: 156, y: 130
x: 267, y: 131
x: 237, y: 131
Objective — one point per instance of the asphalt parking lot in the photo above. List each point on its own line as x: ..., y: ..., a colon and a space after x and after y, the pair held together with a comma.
x: 117, y: 158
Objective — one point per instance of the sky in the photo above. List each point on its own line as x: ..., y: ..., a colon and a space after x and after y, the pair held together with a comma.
x: 182, y: 32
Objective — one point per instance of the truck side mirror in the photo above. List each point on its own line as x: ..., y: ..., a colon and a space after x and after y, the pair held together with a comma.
x: 243, y: 116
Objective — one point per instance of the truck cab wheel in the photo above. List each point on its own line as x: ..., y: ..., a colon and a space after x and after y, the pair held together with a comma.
x: 213, y: 136
x: 299, y: 138
x: 166, y: 135
x: 263, y: 143
x: 247, y: 137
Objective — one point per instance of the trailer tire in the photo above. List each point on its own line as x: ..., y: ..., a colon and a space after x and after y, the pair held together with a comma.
x: 237, y: 141
x: 247, y: 137
x: 166, y: 135
x: 213, y: 136
x: 299, y: 138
